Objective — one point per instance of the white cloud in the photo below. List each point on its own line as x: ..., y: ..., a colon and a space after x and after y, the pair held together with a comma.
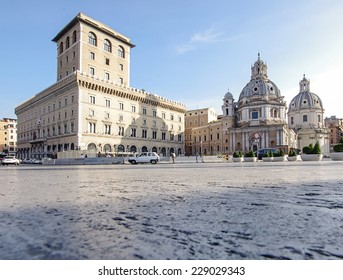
x: 207, y: 36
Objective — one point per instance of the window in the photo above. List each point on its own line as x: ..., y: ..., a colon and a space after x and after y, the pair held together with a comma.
x: 121, y: 106
x: 91, y: 127
x: 107, y: 46
x: 67, y: 43
x: 107, y: 129
x: 171, y: 137
x: 121, y: 67
x: 179, y: 138
x: 144, y: 133
x: 92, y: 71
x: 144, y: 111
x: 74, y: 37
x: 154, y: 113
x: 108, y: 103
x: 65, y: 101
x: 154, y: 135
x: 107, y: 115
x: 65, y: 129
x: 180, y: 119
x: 121, y: 131
x: 72, y: 100
x: 254, y: 115
x: 163, y: 136
x: 121, y: 118
x: 133, y: 132
x: 92, y: 38
x: 133, y: 109
x: 107, y: 76
x: 121, y: 52
x: 107, y: 61
x: 92, y: 99
x: 292, y: 120
x: 171, y: 117
x: 163, y: 115
x: 92, y: 56
x: 61, y: 47
x: 91, y: 113
x: 72, y: 127
x: 121, y: 80
x: 304, y: 118
x: 319, y: 119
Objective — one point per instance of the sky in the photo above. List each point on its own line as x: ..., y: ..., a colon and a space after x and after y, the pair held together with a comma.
x: 190, y: 51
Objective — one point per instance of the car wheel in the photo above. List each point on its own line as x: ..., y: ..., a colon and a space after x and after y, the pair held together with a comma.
x: 133, y: 162
x: 153, y: 161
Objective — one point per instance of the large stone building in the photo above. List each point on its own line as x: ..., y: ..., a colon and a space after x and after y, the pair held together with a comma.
x: 335, y: 126
x: 8, y: 136
x: 257, y: 120
x: 306, y: 118
x: 92, y: 107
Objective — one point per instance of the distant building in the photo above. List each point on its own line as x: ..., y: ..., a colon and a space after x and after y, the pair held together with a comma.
x: 335, y: 126
x: 92, y: 107
x: 306, y: 118
x: 8, y: 136
x: 257, y: 120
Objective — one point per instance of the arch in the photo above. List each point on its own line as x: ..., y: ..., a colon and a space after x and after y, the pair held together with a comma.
x: 171, y: 150
x: 107, y: 46
x: 67, y: 42
x: 163, y: 151
x: 121, y: 149
x: 91, y: 147
x: 66, y: 146
x: 121, y: 52
x: 144, y: 149
x: 133, y: 149
x: 154, y: 149
x: 72, y: 146
x: 61, y: 47
x: 74, y: 37
x: 179, y: 151
x: 107, y: 148
x: 92, y: 39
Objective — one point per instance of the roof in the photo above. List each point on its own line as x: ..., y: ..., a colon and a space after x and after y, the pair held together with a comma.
x: 95, y: 24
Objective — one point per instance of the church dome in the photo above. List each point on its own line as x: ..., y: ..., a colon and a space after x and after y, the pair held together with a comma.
x: 259, y: 84
x: 305, y: 99
x: 228, y: 95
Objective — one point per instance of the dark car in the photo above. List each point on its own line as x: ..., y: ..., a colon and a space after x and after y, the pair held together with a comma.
x: 262, y: 152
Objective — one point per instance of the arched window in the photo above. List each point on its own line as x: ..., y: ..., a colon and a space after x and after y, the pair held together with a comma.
x: 121, y: 52
x: 133, y: 149
x: 144, y: 149
x: 107, y: 148
x: 107, y: 46
x: 121, y: 149
x: 91, y: 147
x: 74, y: 36
x: 92, y: 38
x: 67, y: 42
x: 61, y: 47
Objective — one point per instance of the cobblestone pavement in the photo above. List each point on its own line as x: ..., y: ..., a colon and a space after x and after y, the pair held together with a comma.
x: 290, y: 210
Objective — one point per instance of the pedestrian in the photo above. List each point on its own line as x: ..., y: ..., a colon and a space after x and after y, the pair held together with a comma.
x: 173, y: 156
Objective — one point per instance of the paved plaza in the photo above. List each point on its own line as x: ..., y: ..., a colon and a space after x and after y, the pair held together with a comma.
x: 287, y: 210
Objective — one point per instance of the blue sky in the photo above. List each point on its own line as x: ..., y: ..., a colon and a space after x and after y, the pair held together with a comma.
x: 187, y: 50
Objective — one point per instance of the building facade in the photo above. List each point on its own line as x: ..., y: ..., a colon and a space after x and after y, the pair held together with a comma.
x: 8, y: 136
x: 92, y: 107
x: 306, y: 118
x: 257, y: 120
x: 335, y: 126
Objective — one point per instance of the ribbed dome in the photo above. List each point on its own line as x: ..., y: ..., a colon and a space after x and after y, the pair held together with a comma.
x: 305, y: 99
x: 259, y: 84
x: 258, y: 87
x: 228, y: 95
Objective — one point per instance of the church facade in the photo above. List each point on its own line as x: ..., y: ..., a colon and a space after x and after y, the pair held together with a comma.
x: 257, y: 120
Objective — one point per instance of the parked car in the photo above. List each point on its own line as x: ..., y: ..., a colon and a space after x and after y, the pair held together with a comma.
x: 10, y: 160
x: 263, y: 152
x: 145, y: 157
